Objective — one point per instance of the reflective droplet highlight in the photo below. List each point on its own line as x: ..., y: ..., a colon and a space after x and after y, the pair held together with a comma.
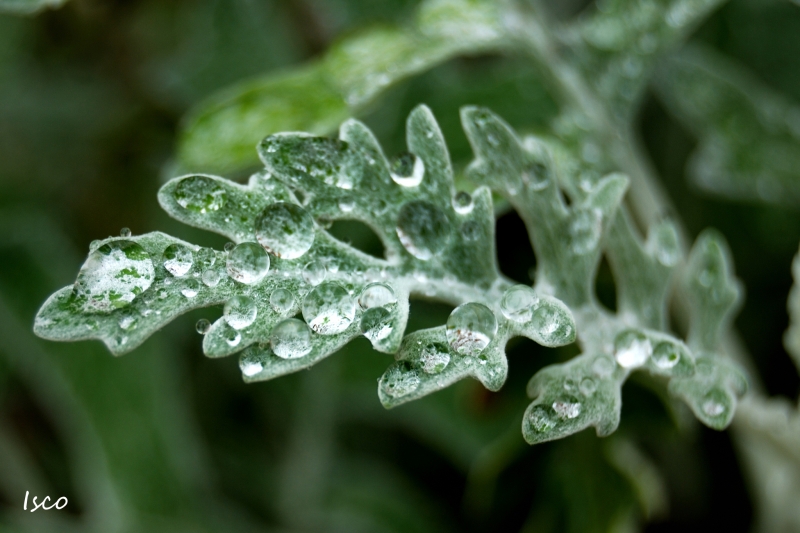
x: 190, y: 288
x: 329, y: 309
x: 540, y: 420
x: 632, y: 349
x: 517, y: 303
x: 434, y: 358
x: 407, y: 170
x: 423, y: 229
x: 376, y: 323
x: 285, y: 230
x: 400, y: 380
x: 248, y: 263
x: 470, y: 328
x: 567, y: 409
x: 202, y: 326
x: 462, y: 202
x: 200, y: 194
x: 282, y: 301
x: 376, y: 295
x: 178, y: 259
x: 290, y: 339
x: 666, y: 355
x: 240, y: 311
x: 211, y: 277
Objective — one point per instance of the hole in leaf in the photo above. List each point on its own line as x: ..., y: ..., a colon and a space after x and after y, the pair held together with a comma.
x: 514, y: 251
x: 605, y: 287
x: 425, y: 314
x: 358, y: 235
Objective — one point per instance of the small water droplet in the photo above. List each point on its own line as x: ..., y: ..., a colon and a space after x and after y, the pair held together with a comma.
x: 632, y: 349
x: 346, y: 204
x: 232, y: 337
x: 434, y: 358
x: 666, y: 355
x: 190, y: 288
x: 713, y: 408
x: 229, y: 246
x: 603, y: 366
x: 423, y: 229
x: 282, y: 301
x: 212, y: 277
x: 200, y: 194
x: 248, y: 263
x: 240, y: 311
x: 178, y: 259
x: 315, y: 272
x: 376, y: 323
x: 470, y: 328
x: 517, y: 303
x: 162, y: 293
x: 588, y: 386
x: 127, y: 320
x: 125, y: 232
x: 376, y: 295
x: 585, y: 230
x: 551, y: 324
x: 329, y: 309
x: 570, y: 385
x: 202, y: 326
x: 251, y: 363
x: 462, y: 202
x: 290, y: 339
x: 540, y: 420
x: 206, y: 257
x: 536, y: 176
x: 113, y: 275
x: 400, y: 380
x: 567, y: 409
x: 285, y: 230
x: 470, y: 231
x: 407, y: 170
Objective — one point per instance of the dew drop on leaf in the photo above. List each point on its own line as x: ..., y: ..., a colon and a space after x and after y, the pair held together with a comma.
x: 251, y: 363
x: 232, y: 337
x: 551, y: 324
x: 603, y: 366
x: 315, y: 272
x: 329, y: 309
x: 407, y: 170
x: 713, y: 408
x: 434, y: 358
x: 228, y: 247
x: 285, y: 230
x: 470, y: 328
x: 540, y: 420
x: 178, y: 259
x: 462, y: 202
x: 423, y: 229
x: 666, y: 355
x: 282, y: 301
x: 470, y: 231
x: 376, y: 295
x: 536, y: 176
x: 588, y: 386
x: 400, y: 380
x: 248, y: 263
x: 125, y: 232
x: 202, y: 326
x: 567, y: 409
x: 376, y: 323
x: 200, y: 194
x: 585, y: 229
x: 113, y: 275
x: 206, y: 257
x: 517, y: 303
x: 127, y: 320
x: 190, y: 288
x: 240, y: 311
x: 211, y: 277
x: 290, y: 339
x: 632, y: 349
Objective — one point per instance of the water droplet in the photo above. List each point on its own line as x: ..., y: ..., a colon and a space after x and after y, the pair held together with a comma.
x: 585, y: 230
x: 462, y: 202
x: 551, y: 324
x: 206, y: 257
x: 470, y: 231
x: 315, y: 272
x: 248, y: 263
x: 434, y: 358
x: 376, y: 323
x: 113, y: 275
x: 251, y: 363
x: 290, y: 339
x: 211, y: 277
x: 202, y: 326
x: 127, y: 320
x: 125, y: 232
x: 178, y: 259
x: 240, y: 311
x: 190, y: 288
x: 588, y: 386
x: 329, y: 309
x: 470, y: 328
x: 346, y: 205
x: 632, y: 349
x: 229, y: 246
x: 282, y: 301
x: 232, y: 337
x: 603, y: 366
x: 536, y: 176
x: 200, y: 194
x: 285, y: 230
x: 666, y: 355
x: 376, y: 295
x: 423, y: 229
x: 400, y: 380
x: 540, y: 420
x: 570, y: 385
x: 517, y: 303
x: 713, y: 408
x: 567, y: 409
x: 162, y: 293
x: 407, y: 170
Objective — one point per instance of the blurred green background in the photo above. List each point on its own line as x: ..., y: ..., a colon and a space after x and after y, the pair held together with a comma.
x: 165, y: 440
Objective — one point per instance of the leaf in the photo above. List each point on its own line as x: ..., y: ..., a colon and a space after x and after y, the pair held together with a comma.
x: 28, y: 7
x: 219, y: 134
x: 749, y: 136
x: 791, y: 339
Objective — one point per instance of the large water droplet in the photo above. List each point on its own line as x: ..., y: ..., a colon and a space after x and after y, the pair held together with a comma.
x: 282, y: 301
x: 400, y: 380
x: 329, y: 309
x: 178, y: 259
x: 285, y: 230
x: 434, y: 358
x: 517, y: 303
x: 470, y: 328
x: 666, y: 355
x: 585, y: 230
x: 567, y: 409
x: 376, y: 295
x: 200, y: 194
x: 376, y: 323
x: 423, y: 229
x: 290, y: 339
x: 540, y: 420
x: 632, y: 349
x: 240, y: 311
x: 407, y: 170
x: 113, y: 275
x: 248, y: 263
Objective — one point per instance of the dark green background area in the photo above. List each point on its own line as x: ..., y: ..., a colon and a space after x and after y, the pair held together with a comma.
x: 163, y: 439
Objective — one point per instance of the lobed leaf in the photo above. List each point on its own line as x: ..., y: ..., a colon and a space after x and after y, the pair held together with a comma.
x: 791, y: 338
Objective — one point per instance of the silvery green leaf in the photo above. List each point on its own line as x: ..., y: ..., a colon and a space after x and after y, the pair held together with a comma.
x: 28, y: 7
x: 791, y: 338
